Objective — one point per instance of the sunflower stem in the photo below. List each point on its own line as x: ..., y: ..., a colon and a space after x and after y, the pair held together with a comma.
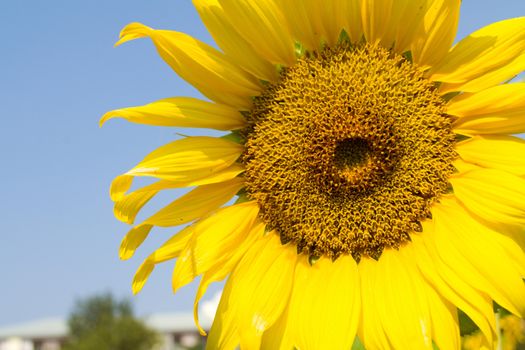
x: 499, y: 333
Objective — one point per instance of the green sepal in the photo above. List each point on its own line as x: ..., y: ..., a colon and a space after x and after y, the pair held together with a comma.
x: 408, y: 56
x: 449, y: 96
x: 242, y: 197
x: 299, y: 49
x: 344, y: 37
x: 234, y: 136
x: 280, y: 68
x: 460, y: 137
x: 357, y: 345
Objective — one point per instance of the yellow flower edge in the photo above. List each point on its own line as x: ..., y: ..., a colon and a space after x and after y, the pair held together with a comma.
x: 284, y: 288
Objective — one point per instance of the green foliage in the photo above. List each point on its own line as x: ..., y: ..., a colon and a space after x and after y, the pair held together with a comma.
x: 466, y: 325
x: 102, y: 323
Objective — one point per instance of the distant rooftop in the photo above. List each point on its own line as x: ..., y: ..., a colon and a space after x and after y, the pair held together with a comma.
x: 175, y: 322
x: 57, y: 327
x: 44, y: 328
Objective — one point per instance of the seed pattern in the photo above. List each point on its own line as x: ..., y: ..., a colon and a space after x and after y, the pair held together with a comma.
x: 348, y: 151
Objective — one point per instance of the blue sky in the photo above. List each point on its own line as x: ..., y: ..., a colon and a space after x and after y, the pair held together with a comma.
x: 59, y: 73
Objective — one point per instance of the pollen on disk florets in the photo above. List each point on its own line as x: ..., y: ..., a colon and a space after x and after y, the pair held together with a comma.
x: 348, y: 151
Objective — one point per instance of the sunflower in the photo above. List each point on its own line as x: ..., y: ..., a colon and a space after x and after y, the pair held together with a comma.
x: 379, y: 187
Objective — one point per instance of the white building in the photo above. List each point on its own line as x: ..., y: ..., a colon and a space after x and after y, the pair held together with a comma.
x: 177, y: 330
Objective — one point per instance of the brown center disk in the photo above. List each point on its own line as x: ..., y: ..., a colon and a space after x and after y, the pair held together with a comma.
x: 348, y: 151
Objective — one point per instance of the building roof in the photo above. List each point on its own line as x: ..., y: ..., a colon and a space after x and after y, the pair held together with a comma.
x: 57, y: 327
x: 175, y: 322
x: 44, y: 328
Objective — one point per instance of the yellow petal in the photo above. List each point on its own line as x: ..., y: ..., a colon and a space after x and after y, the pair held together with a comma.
x: 224, y: 333
x: 216, y: 273
x: 302, y: 18
x: 445, y: 324
x: 487, y: 57
x: 127, y: 207
x: 371, y: 331
x: 133, y: 239
x: 376, y: 16
x: 141, y: 276
x: 277, y: 337
x: 182, y: 112
x: 494, y: 195
x: 207, y: 69
x: 119, y: 186
x: 220, y: 271
x: 436, y: 33
x: 331, y: 18
x: 223, y: 175
x: 196, y: 203
x: 313, y: 21
x: 261, y: 23
x: 397, y: 289
x: 443, y: 314
x: 495, y: 151
x: 169, y: 250
x: 351, y: 19
x: 463, y: 166
x: 516, y: 233
x: 214, y: 240
x: 189, y: 159
x: 406, y: 25
x: 475, y: 253
x: 497, y: 110
x: 325, y: 304
x: 393, y: 23
x: 261, y: 284
x: 173, y: 247
x: 512, y: 245
x: 233, y: 44
x: 450, y: 285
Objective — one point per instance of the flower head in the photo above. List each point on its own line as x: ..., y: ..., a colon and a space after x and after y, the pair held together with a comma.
x: 379, y: 186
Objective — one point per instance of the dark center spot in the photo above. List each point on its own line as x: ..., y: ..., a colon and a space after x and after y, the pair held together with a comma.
x: 351, y: 153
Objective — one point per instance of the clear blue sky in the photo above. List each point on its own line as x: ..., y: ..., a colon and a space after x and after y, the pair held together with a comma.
x: 59, y: 73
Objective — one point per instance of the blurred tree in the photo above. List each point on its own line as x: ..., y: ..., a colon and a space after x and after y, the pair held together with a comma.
x: 103, y: 323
